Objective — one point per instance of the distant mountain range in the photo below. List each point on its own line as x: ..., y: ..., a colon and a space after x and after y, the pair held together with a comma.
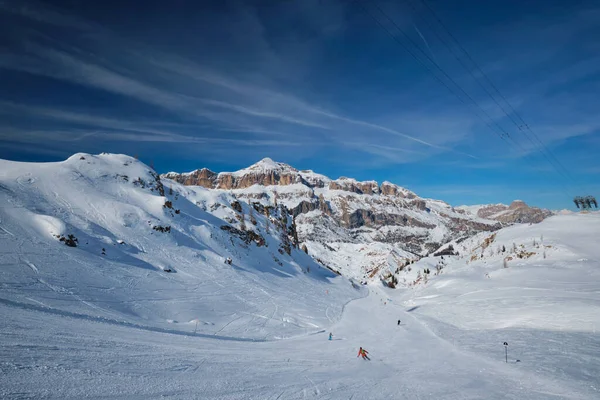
x: 360, y: 229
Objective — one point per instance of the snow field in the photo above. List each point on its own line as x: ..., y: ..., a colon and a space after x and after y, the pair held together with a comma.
x: 80, y: 324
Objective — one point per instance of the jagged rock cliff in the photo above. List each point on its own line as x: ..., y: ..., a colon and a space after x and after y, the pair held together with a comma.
x: 265, y: 173
x: 382, y: 225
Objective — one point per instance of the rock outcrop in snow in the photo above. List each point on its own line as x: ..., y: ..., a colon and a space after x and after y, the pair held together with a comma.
x: 517, y: 212
x: 265, y: 172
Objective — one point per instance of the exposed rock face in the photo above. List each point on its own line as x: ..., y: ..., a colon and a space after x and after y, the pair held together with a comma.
x: 264, y: 173
x: 532, y: 215
x: 389, y: 189
x: 268, y: 173
x: 517, y: 212
x: 515, y: 205
x: 305, y: 207
x: 419, y: 204
x: 375, y: 221
x: 201, y: 177
x: 351, y: 185
x: 229, y: 181
x: 488, y: 211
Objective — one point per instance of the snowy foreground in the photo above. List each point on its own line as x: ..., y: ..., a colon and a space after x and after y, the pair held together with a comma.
x: 77, y: 323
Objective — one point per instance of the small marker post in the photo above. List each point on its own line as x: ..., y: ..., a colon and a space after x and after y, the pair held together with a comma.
x: 506, y: 351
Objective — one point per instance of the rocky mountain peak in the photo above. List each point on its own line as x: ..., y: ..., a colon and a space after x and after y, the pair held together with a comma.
x: 391, y: 189
x: 516, y: 204
x: 517, y: 212
x: 267, y: 165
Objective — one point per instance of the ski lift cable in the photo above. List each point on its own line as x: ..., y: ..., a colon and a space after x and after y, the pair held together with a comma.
x: 503, y: 134
x: 457, y: 57
x: 413, y: 55
x: 487, y: 91
x: 555, y: 163
x: 519, y: 122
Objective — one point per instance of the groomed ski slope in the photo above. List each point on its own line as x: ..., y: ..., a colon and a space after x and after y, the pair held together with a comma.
x: 64, y: 356
x: 77, y: 324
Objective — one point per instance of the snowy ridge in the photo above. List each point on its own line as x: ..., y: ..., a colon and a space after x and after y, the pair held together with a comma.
x: 174, y: 174
x: 474, y: 209
x: 116, y: 208
x: 264, y: 166
x: 314, y: 178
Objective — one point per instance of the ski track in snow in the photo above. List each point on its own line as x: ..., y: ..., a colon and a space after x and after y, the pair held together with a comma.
x: 85, y: 317
x: 32, y: 266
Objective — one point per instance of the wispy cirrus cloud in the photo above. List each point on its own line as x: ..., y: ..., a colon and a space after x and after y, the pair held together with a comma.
x: 193, y: 92
x: 291, y: 80
x: 38, y: 12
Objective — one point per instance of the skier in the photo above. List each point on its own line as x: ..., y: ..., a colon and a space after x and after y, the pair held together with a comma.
x: 362, y: 352
x: 398, y: 322
x: 330, y: 335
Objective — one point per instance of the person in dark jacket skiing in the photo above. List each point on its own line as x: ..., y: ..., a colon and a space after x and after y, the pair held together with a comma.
x: 362, y: 352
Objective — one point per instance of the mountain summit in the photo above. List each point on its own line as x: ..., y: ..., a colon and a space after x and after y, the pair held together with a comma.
x: 517, y: 212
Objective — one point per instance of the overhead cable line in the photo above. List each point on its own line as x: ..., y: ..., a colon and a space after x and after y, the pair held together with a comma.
x: 519, y: 122
x: 498, y: 130
x: 503, y: 134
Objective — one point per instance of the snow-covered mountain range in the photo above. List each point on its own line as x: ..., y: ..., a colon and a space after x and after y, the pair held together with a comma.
x: 362, y: 229
x: 118, y: 283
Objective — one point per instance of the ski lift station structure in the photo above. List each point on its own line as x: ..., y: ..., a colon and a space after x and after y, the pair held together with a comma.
x: 585, y: 203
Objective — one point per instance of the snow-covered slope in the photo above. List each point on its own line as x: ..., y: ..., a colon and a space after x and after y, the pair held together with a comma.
x: 536, y: 287
x: 129, y: 229
x: 543, y: 276
x: 77, y: 323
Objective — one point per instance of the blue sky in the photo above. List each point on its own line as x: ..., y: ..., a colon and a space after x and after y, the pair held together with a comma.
x: 317, y: 84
